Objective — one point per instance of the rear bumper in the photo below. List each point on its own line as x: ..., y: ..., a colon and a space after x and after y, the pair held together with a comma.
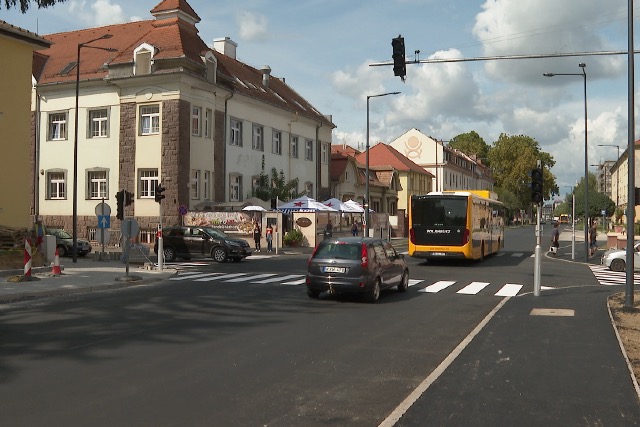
x: 337, y: 284
x: 435, y: 254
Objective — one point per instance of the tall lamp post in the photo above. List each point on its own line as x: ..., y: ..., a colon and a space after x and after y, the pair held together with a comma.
x: 617, y: 180
x: 75, y: 141
x: 573, y: 222
x: 582, y: 65
x: 367, y: 201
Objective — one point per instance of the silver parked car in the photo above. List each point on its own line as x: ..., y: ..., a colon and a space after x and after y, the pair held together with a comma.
x: 615, y: 259
x: 356, y: 265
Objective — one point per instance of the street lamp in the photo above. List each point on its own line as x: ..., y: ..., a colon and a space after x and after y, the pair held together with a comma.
x: 618, y: 175
x: 573, y: 222
x: 74, y: 251
x: 582, y: 65
x: 367, y: 201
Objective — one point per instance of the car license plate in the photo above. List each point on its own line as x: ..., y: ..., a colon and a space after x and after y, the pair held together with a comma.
x: 333, y: 269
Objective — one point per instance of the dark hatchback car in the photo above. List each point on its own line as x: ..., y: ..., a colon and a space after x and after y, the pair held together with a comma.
x: 193, y: 241
x: 64, y: 243
x: 356, y: 265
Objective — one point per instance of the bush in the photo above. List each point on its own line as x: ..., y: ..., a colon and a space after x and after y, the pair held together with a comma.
x: 293, y: 238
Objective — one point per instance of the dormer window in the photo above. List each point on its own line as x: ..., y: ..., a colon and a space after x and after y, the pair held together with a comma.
x: 142, y: 59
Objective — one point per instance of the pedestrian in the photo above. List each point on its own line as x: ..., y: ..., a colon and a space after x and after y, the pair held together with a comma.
x: 593, y: 234
x: 555, y: 239
x: 257, y: 235
x: 269, y: 236
x: 328, y: 230
x: 354, y: 228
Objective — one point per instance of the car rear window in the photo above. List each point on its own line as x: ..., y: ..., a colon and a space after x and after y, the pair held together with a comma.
x: 339, y: 251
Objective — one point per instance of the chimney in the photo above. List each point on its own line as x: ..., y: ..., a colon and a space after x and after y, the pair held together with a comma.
x: 266, y: 71
x: 225, y: 46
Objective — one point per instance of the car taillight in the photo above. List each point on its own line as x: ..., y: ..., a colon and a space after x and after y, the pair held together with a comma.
x: 465, y: 236
x: 312, y: 255
x: 412, y: 236
x: 365, y: 257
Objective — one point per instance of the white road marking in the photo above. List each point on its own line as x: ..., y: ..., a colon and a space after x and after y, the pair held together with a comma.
x: 509, y: 290
x: 194, y: 275
x: 224, y: 276
x: 280, y: 278
x: 473, y: 288
x: 438, y: 286
x: 248, y: 278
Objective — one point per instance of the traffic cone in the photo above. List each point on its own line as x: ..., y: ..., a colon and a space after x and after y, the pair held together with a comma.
x: 56, y: 271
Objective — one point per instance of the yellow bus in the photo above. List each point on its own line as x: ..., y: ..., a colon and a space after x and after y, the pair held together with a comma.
x: 564, y: 219
x: 455, y: 224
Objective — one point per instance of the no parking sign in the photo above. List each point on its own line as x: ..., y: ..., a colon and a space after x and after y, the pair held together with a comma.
x: 182, y: 210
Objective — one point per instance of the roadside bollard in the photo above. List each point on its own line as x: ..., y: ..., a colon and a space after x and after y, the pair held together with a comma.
x: 27, y: 259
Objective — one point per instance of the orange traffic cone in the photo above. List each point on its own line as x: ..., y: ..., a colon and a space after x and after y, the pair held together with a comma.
x: 56, y: 271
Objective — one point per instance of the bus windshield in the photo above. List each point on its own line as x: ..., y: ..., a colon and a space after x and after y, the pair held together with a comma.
x: 440, y: 212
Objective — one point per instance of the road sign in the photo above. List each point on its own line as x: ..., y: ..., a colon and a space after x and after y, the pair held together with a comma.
x: 103, y: 236
x: 182, y: 210
x: 104, y: 221
x: 103, y: 209
x: 130, y: 227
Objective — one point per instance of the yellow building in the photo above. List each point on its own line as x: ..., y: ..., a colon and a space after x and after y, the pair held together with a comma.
x: 17, y: 172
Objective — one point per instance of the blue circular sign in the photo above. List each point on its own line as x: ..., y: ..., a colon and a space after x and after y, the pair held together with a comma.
x: 182, y: 210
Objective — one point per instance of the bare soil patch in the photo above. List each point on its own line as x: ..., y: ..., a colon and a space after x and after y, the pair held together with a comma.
x: 627, y: 321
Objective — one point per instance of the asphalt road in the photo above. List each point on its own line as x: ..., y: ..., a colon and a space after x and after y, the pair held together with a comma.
x: 202, y: 351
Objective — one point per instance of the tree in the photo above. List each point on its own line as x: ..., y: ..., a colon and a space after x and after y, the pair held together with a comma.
x: 24, y: 4
x: 471, y: 144
x: 512, y: 158
x: 270, y: 187
x: 598, y: 202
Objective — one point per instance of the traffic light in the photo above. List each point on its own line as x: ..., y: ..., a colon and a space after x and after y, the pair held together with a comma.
x: 159, y: 196
x: 128, y: 198
x: 536, y: 185
x: 120, y: 202
x: 274, y: 204
x: 399, y: 62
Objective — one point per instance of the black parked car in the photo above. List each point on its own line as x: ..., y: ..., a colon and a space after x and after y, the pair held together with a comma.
x: 356, y: 265
x: 189, y: 241
x: 64, y: 243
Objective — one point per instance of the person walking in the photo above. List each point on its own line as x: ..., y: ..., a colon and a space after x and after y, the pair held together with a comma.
x: 354, y: 229
x: 328, y: 230
x: 269, y: 236
x: 257, y: 235
x: 555, y: 239
x: 593, y: 234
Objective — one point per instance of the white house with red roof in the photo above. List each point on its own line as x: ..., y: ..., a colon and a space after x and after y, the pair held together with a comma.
x: 157, y: 105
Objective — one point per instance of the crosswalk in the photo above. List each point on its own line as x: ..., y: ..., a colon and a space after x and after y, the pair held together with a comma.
x: 609, y: 277
x: 473, y: 288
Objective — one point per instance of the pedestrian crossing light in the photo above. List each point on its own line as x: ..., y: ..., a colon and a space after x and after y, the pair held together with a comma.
x: 128, y: 198
x: 399, y: 62
x: 159, y: 195
x: 536, y: 185
x: 120, y: 205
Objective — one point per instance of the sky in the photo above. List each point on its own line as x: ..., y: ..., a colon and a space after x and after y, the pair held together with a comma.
x: 324, y: 49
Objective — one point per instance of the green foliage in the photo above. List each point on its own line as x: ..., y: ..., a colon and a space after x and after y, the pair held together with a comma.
x: 471, y: 144
x: 270, y: 187
x: 597, y: 201
x: 293, y: 237
x: 619, y: 213
x: 512, y: 158
x: 24, y: 4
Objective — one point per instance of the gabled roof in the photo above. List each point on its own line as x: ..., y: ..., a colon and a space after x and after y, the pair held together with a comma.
x: 173, y: 35
x: 383, y: 155
x: 17, y: 33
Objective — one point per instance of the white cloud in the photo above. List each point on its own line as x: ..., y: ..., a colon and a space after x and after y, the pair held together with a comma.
x: 251, y: 26
x: 98, y: 13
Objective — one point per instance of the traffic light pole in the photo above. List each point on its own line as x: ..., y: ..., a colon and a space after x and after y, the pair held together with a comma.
x: 538, y: 254
x: 160, y: 244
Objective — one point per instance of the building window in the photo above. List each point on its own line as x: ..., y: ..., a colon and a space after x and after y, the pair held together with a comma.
x: 323, y: 154
x: 57, y: 126
x: 258, y: 143
x: 208, y: 120
x: 294, y: 147
x: 308, y: 150
x: 98, y: 123
x: 236, y: 133
x: 277, y: 142
x: 142, y: 61
x: 56, y: 185
x: 308, y: 188
x: 346, y: 176
x: 235, y: 188
x: 149, y: 119
x: 196, y: 114
x: 206, y: 185
x: 148, y: 183
x: 195, y: 184
x: 255, y: 184
x: 97, y: 182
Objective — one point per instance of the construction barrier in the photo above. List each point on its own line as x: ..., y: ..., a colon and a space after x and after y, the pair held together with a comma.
x: 27, y: 259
